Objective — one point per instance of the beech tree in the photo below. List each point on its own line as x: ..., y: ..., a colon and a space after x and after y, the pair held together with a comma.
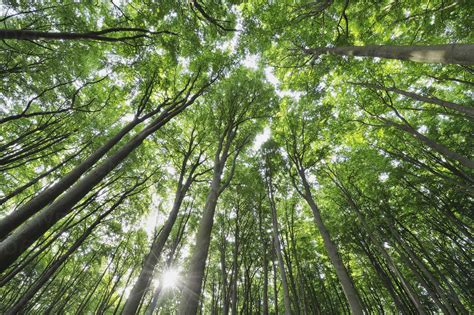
x: 255, y: 157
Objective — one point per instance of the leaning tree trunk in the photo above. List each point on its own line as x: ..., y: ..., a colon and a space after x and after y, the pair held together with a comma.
x: 136, y: 33
x: 191, y: 293
x: 465, y: 110
x: 443, y: 150
x: 347, y: 285
x: 277, y: 246
x: 46, y: 275
x: 374, y: 237
x: 190, y: 299
x: 143, y: 282
x: 461, y: 54
x: 26, y: 211
x: 14, y: 245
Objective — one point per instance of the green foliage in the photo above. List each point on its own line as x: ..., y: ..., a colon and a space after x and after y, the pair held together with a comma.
x: 378, y: 154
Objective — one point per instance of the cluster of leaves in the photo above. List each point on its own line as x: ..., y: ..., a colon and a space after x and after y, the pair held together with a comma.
x: 382, y: 147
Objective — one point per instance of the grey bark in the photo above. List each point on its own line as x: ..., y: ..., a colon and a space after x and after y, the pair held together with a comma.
x: 143, y: 282
x: 467, y: 110
x: 191, y: 295
x: 190, y: 301
x: 462, y: 54
x: 375, y: 238
x: 14, y: 245
x: 95, y: 35
x: 277, y: 245
x: 26, y: 211
x: 347, y: 285
x: 23, y: 213
x: 433, y: 144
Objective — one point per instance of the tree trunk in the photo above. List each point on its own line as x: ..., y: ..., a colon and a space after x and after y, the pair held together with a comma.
x: 264, y: 260
x: 467, y: 110
x: 461, y: 54
x: 96, y: 35
x: 190, y: 299
x: 375, y: 239
x: 433, y: 144
x: 13, y: 246
x: 347, y: 285
x: 235, y: 268
x: 143, y: 282
x: 51, y: 269
x: 277, y: 246
x: 23, y: 213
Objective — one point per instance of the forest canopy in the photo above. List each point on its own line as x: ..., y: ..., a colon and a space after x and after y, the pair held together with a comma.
x: 242, y: 157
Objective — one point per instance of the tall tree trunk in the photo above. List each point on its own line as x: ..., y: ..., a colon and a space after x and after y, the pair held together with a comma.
x: 14, y: 245
x: 235, y: 268
x: 94, y: 35
x: 347, y: 285
x: 263, y: 241
x: 143, y: 282
x: 24, y: 212
x: 191, y: 295
x: 432, y: 144
x: 277, y: 243
x: 467, y: 110
x: 46, y: 275
x: 225, y: 293
x: 375, y: 239
x: 461, y: 54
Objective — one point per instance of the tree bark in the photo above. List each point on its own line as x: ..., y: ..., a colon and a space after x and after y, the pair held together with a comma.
x: 347, y: 285
x: 467, y: 110
x: 432, y: 144
x: 191, y: 295
x: 277, y: 243
x: 461, y: 54
x: 190, y: 301
x: 23, y: 213
x: 143, y: 282
x: 263, y: 241
x: 375, y: 239
x: 95, y: 35
x: 13, y: 246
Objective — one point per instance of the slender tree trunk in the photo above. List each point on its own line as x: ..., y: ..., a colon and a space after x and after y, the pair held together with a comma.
x: 277, y: 246
x: 467, y: 110
x: 23, y: 213
x: 275, y: 283
x: 142, y: 284
x: 235, y: 267
x: 384, y: 277
x: 13, y: 246
x: 19, y: 190
x: 437, y: 291
x: 373, y: 236
x: 191, y: 295
x: 225, y: 293
x: 461, y: 54
x: 91, y: 292
x: 190, y: 301
x: 347, y: 285
x: 433, y: 144
x: 119, y: 302
x: 95, y: 35
x: 264, y: 259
